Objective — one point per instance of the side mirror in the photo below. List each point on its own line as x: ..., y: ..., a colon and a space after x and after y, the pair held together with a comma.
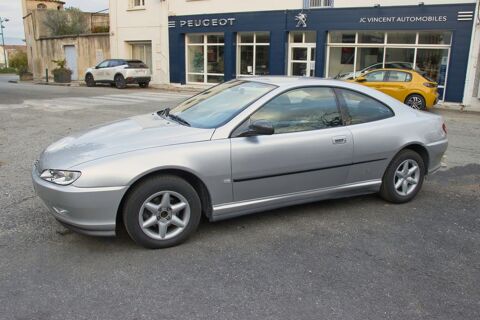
x: 262, y: 128
x: 360, y: 79
x: 258, y: 128
x: 97, y: 67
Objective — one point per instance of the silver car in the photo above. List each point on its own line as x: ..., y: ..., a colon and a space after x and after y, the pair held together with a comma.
x: 241, y: 147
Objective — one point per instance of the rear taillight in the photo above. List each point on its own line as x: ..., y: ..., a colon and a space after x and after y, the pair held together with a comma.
x: 444, y: 128
x: 430, y: 85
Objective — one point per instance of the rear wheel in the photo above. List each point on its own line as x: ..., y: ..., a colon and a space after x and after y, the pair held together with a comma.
x: 89, y: 80
x: 162, y: 212
x: 120, y: 82
x: 403, y: 178
x: 143, y: 84
x: 416, y: 101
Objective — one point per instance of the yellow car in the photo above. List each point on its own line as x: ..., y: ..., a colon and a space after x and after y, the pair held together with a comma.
x: 408, y: 86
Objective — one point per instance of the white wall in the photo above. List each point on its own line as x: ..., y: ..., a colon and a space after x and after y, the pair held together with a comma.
x: 186, y: 7
x: 371, y: 3
x: 148, y: 24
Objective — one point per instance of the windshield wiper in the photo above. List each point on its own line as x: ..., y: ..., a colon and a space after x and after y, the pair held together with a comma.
x: 179, y: 119
x: 166, y: 114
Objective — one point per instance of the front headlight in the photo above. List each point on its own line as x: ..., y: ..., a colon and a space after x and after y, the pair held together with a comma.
x: 61, y: 177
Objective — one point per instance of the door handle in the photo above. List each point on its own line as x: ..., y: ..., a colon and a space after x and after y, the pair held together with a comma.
x: 339, y: 140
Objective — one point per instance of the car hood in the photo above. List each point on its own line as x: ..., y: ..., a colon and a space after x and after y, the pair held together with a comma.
x: 136, y: 133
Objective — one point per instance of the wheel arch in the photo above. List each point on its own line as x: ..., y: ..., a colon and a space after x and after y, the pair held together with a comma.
x: 421, y: 150
x: 118, y: 74
x: 197, y: 183
x: 414, y: 92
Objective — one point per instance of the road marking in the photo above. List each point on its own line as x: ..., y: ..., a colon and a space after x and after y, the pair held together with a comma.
x: 76, y: 103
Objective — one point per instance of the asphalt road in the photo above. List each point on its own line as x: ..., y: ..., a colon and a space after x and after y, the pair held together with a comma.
x: 356, y: 258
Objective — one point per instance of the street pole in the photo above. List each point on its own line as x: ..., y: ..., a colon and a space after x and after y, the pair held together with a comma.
x: 2, y: 20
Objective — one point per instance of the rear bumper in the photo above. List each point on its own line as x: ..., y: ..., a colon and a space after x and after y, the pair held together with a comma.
x: 436, y: 151
x: 138, y: 79
x: 91, y: 211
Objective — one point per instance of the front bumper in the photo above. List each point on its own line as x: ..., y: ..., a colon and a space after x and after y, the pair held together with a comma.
x: 91, y: 211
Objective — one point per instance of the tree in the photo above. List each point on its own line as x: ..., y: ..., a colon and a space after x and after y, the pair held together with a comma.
x: 71, y: 21
x: 19, y: 61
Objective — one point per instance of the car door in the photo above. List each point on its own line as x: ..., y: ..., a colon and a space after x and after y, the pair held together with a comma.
x: 397, y: 84
x: 374, y: 79
x: 375, y: 133
x: 99, y: 72
x: 111, y: 70
x: 310, y: 148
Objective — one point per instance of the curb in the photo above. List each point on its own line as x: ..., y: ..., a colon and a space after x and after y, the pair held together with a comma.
x: 456, y: 107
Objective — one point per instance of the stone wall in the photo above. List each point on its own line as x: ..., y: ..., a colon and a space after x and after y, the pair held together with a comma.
x: 90, y: 50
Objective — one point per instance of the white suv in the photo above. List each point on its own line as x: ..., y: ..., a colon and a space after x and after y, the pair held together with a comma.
x: 119, y: 72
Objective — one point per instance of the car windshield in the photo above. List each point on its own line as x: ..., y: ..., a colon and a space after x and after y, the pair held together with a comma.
x: 218, y: 105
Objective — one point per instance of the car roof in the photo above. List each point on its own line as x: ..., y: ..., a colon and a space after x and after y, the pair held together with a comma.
x: 283, y: 81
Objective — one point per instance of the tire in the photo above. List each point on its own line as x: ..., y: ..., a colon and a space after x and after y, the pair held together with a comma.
x: 178, y: 216
x: 120, y: 82
x: 144, y: 84
x: 89, y: 80
x: 416, y: 101
x: 393, y: 189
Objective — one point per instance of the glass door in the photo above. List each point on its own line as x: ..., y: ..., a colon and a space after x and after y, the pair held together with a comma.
x: 301, y: 55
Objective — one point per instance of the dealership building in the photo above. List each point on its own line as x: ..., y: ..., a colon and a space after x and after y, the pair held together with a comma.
x: 204, y: 42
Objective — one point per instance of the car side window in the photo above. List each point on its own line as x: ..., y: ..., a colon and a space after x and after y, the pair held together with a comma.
x: 399, y: 76
x: 113, y: 63
x: 304, y: 109
x: 104, y: 64
x: 362, y: 108
x: 376, y: 76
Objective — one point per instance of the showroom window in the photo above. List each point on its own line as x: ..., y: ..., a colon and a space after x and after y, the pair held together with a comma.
x: 351, y: 54
x: 253, y: 53
x: 301, y: 53
x: 205, y: 58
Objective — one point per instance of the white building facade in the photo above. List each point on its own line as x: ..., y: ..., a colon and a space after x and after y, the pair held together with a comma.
x: 203, y: 42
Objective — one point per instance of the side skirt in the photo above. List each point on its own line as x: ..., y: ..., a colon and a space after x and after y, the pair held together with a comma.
x: 235, y: 209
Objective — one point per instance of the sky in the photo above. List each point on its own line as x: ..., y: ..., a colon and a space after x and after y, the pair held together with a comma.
x: 12, y: 10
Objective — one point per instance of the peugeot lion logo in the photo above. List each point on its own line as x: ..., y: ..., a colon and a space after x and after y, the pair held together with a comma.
x: 301, y: 19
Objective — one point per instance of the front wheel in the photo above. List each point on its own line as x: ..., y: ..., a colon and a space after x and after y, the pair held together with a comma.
x: 403, y: 178
x: 162, y: 212
x: 89, y: 80
x: 120, y: 82
x: 416, y: 101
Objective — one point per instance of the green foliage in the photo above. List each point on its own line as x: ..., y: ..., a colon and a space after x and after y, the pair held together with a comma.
x: 100, y: 29
x: 19, y: 62
x: 8, y: 70
x: 71, y: 21
x: 60, y: 63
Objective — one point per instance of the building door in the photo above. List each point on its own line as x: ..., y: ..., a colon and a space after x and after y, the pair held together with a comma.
x: 301, y: 55
x: 71, y: 58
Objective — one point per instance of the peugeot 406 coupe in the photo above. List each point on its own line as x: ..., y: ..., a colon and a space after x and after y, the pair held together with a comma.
x: 244, y: 146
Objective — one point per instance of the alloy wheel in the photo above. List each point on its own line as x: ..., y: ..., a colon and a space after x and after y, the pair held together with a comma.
x: 164, y: 215
x: 415, y: 102
x: 407, y: 177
